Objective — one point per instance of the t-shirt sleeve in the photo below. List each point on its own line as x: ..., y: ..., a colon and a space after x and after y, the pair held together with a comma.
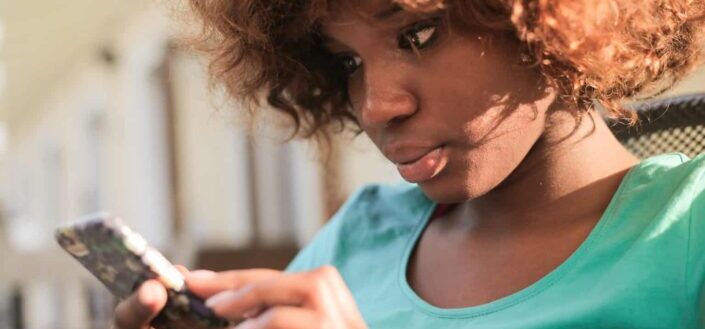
x: 323, y: 248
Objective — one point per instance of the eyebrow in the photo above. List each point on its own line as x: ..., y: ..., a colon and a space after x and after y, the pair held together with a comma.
x: 388, y: 12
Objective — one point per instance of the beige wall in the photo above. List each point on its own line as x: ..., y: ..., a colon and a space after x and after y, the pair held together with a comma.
x: 694, y: 83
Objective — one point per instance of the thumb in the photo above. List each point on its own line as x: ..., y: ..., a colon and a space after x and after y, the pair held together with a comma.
x: 141, y: 307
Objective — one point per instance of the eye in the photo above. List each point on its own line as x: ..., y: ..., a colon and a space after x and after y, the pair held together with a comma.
x: 350, y: 63
x: 419, y: 35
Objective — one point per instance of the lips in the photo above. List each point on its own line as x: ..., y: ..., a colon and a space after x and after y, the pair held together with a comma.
x: 418, y: 164
x: 406, y: 153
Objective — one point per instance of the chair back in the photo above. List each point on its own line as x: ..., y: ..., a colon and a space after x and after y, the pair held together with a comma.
x: 675, y: 124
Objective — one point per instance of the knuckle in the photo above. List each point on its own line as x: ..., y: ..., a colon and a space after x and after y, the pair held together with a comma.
x: 254, y: 291
x: 316, y: 284
x: 236, y: 279
x: 230, y: 280
x: 323, y: 273
x: 328, y: 271
x: 322, y: 276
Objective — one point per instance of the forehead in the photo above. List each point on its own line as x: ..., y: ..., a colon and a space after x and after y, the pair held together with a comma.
x: 372, y: 6
x: 350, y: 15
x: 366, y: 10
x: 372, y: 15
x: 362, y: 6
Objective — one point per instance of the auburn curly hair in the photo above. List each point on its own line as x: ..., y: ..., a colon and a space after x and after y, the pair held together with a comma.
x: 607, y: 51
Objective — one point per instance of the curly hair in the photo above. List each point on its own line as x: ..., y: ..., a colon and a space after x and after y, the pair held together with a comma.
x: 606, y: 51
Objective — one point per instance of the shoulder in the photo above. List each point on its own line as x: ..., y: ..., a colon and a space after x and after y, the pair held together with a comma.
x: 371, y: 214
x: 672, y: 187
x: 691, y: 175
x: 697, y: 174
x: 664, y: 195
x: 670, y: 174
x: 694, y: 166
x: 695, y: 254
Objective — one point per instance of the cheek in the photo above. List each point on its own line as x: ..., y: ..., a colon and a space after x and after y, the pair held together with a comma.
x: 356, y: 95
x: 502, y: 124
x: 475, y: 170
x: 355, y: 92
x: 481, y: 89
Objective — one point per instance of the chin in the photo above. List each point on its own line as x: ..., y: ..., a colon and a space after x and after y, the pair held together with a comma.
x: 449, y: 189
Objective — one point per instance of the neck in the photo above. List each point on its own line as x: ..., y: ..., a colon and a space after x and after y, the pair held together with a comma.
x: 572, y: 171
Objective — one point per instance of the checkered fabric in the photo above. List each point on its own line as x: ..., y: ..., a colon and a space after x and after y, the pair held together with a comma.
x: 675, y: 124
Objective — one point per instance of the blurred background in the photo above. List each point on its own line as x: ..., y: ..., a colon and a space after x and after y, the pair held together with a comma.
x: 101, y: 110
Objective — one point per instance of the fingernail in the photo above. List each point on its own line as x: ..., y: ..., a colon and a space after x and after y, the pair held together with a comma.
x: 221, y: 297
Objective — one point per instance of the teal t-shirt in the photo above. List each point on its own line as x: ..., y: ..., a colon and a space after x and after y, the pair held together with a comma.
x: 642, y: 265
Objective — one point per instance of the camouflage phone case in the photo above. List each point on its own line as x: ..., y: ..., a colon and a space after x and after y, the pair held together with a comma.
x: 121, y: 259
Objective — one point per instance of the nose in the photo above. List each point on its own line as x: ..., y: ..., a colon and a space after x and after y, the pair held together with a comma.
x: 385, y: 100
x: 384, y: 107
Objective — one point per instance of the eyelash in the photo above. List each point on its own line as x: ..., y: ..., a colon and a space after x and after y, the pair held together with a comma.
x: 408, y: 39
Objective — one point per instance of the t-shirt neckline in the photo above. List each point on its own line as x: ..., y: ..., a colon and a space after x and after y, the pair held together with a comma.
x: 517, y: 297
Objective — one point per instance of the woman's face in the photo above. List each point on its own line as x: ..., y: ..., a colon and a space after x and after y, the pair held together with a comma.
x: 450, y: 107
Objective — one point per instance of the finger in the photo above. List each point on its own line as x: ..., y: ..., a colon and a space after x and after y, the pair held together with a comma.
x: 182, y: 269
x: 201, y: 275
x: 291, y: 289
x: 206, y: 283
x: 341, y: 293
x: 343, y: 311
x: 194, y: 278
x: 288, y: 317
x: 141, y: 307
x: 284, y: 317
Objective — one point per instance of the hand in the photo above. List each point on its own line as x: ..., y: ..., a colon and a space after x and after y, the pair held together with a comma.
x: 276, y: 300
x: 138, y: 310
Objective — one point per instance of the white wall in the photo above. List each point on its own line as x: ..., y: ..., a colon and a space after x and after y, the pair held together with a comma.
x: 97, y: 140
x: 213, y: 161
x: 139, y: 100
x: 46, y: 164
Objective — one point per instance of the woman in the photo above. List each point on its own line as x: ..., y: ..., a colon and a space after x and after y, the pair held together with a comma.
x: 525, y: 211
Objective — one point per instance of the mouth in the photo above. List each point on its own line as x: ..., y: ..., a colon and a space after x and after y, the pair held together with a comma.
x: 425, y: 166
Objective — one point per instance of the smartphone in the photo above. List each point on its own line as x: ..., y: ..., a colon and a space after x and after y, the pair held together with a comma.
x: 122, y: 260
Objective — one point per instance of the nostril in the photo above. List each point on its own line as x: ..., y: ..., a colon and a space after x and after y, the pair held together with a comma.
x: 396, y: 120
